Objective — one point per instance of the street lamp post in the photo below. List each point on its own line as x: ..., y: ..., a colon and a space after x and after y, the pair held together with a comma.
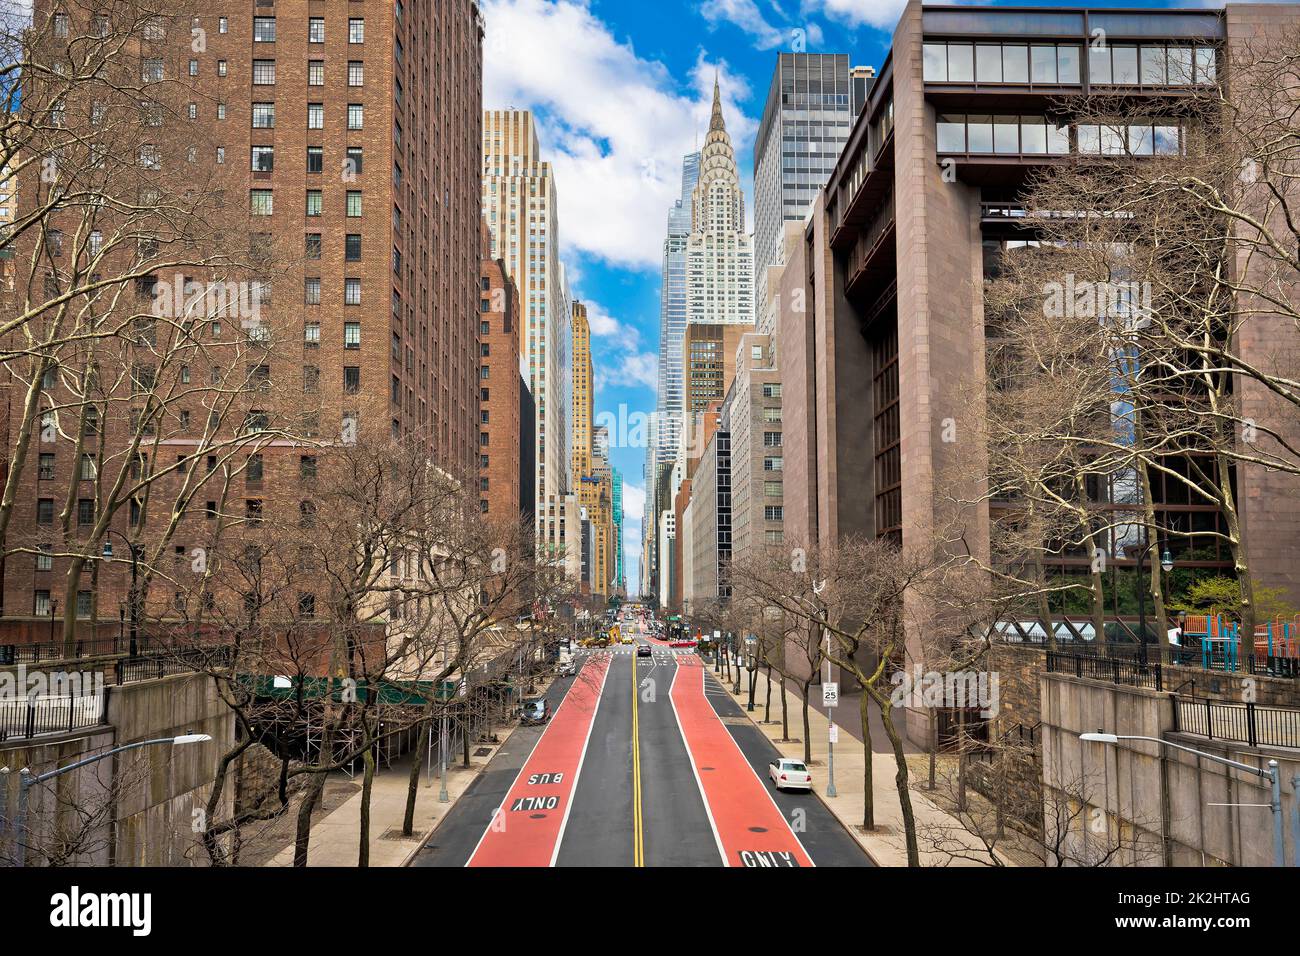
x: 133, y: 597
x: 1271, y: 774
x: 27, y: 780
x: 752, y: 669
x: 1166, y: 565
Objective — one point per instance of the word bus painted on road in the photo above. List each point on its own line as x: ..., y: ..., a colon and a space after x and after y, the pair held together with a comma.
x: 539, y: 778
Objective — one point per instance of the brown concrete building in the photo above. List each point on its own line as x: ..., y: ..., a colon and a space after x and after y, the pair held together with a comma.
x: 501, y: 433
x: 881, y: 331
x: 343, y: 140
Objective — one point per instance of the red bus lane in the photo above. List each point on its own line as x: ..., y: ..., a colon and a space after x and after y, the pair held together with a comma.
x: 527, y: 828
x: 750, y: 829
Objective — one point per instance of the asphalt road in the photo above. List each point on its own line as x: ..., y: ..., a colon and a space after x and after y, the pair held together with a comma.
x: 645, y: 762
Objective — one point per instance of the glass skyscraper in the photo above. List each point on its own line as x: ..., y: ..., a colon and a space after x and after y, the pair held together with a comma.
x: 805, y: 125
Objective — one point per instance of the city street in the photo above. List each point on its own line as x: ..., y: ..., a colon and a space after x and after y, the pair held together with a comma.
x: 644, y: 762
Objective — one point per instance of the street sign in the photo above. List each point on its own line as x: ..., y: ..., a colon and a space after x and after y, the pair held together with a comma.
x: 830, y: 694
x: 835, y: 734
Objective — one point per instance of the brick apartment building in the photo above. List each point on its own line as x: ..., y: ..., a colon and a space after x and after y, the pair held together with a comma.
x: 341, y: 141
x: 500, y: 387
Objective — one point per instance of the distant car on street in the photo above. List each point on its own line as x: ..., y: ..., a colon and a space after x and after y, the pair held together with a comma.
x: 535, y: 710
x: 789, y: 774
x: 643, y: 650
x: 565, y: 669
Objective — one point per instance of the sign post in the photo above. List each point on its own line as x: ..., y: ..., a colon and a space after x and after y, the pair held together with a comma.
x: 830, y: 699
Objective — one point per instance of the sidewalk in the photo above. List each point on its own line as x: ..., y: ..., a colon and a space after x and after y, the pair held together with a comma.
x: 335, y: 837
x: 886, y: 843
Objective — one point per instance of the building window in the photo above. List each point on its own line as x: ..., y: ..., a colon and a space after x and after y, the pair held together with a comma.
x: 356, y: 30
x: 45, y: 467
x: 356, y: 116
x: 354, y: 203
x: 310, y: 379
x: 772, y: 489
x: 352, y: 247
x: 316, y: 30
x: 315, y: 159
x: 264, y: 73
x: 44, y: 557
x: 315, y: 115
x: 352, y: 335
x: 356, y: 73
x: 313, y: 245
x: 773, y: 464
x: 41, y: 606
x: 772, y: 512
x: 351, y: 291
x: 315, y: 72
x: 351, y: 379
x: 260, y: 202
x: 45, y: 511
x: 263, y: 159
x: 311, y: 335
x: 354, y: 160
x: 311, y: 294
x: 771, y: 439
x: 263, y: 116
x: 314, y: 202
x: 263, y: 29
x: 307, y: 466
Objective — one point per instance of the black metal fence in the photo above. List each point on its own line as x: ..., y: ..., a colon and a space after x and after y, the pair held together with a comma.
x: 57, y: 714
x: 42, y: 652
x: 1236, y: 723
x: 1132, y: 671
x: 128, y: 670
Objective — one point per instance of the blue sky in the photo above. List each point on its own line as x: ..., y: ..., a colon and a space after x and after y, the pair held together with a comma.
x: 622, y: 89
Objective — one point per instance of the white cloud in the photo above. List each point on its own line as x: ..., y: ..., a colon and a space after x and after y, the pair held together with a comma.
x: 604, y: 325
x: 634, y: 501
x: 745, y: 15
x: 880, y: 14
x: 614, y: 125
x: 628, y: 369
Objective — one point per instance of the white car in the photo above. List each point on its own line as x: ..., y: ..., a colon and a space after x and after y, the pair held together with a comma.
x: 789, y: 774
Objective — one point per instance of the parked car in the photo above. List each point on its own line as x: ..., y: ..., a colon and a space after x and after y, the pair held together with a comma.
x: 789, y: 774
x: 643, y: 650
x: 566, y: 668
x: 534, y: 710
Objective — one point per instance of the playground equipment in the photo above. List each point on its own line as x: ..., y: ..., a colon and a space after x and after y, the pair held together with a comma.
x: 1275, y: 648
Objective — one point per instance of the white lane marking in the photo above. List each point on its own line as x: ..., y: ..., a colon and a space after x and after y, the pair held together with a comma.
x: 501, y: 807
x: 763, y: 785
x: 577, y: 774
x: 708, y: 811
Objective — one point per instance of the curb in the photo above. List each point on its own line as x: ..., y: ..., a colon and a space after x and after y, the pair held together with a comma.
x: 848, y: 829
x: 410, y: 857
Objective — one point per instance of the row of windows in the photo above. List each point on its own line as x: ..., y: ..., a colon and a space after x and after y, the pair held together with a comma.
x: 264, y: 72
x: 261, y: 202
x: 1035, y: 135
x: 264, y: 30
x: 263, y: 116
x: 262, y: 159
x: 1052, y: 64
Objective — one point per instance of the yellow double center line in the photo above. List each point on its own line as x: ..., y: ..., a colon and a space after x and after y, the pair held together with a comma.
x: 638, y: 836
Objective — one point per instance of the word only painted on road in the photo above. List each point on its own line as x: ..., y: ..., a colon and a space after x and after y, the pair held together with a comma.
x: 766, y: 858
x: 534, y: 803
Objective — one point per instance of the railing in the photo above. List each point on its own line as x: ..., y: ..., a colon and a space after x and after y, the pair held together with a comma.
x: 1131, y: 671
x: 37, y: 715
x: 44, y: 651
x: 155, y: 666
x: 1236, y: 723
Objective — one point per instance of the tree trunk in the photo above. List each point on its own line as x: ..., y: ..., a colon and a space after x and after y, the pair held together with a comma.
x: 413, y: 784
x: 934, y: 746
x: 367, y: 789
x: 767, y: 700
x: 900, y: 782
x: 807, y: 733
x: 302, y: 838
x: 868, y: 793
x: 785, y: 713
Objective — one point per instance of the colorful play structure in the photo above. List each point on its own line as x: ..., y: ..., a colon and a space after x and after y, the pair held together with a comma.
x: 1275, y: 650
